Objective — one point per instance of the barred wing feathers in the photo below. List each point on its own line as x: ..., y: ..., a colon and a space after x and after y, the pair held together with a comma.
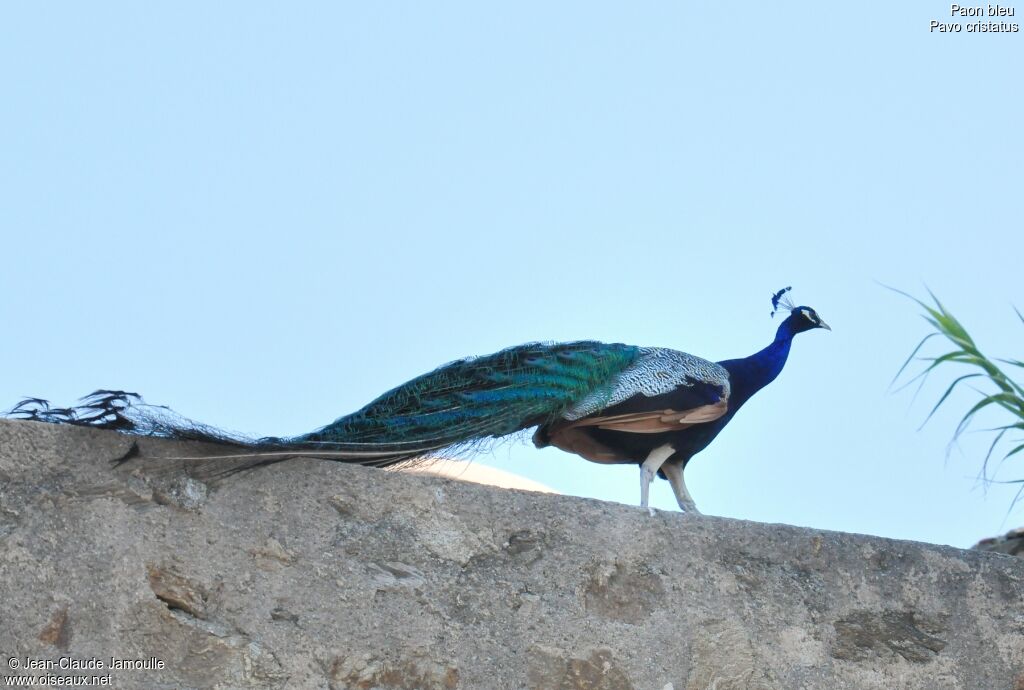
x: 664, y: 390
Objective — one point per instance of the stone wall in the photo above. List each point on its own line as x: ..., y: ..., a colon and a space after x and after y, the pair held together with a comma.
x: 310, y: 574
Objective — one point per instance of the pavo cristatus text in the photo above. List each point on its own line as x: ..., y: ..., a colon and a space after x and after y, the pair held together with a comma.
x: 606, y: 402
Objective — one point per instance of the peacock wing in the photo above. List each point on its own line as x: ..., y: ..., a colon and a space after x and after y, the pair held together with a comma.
x: 664, y: 390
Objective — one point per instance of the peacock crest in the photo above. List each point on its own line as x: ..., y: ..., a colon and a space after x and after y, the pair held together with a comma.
x: 781, y: 299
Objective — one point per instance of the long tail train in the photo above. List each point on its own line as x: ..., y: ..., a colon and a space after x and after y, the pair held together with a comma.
x: 454, y: 408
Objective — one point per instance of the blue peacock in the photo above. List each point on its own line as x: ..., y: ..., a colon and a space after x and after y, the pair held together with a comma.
x: 609, y: 403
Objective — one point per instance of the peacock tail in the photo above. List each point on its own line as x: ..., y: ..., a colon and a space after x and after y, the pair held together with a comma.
x: 457, y: 407
x: 483, y: 397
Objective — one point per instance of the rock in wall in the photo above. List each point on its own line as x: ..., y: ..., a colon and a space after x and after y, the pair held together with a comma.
x: 310, y: 574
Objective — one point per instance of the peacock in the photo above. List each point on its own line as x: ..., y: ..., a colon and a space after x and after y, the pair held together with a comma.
x: 609, y: 403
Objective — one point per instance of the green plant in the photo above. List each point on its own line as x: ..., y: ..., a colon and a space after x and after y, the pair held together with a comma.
x: 1008, y: 394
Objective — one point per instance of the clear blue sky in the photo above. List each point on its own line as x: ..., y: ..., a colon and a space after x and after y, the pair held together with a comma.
x: 265, y: 215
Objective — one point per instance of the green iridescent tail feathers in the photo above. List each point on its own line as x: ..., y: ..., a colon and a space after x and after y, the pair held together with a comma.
x: 456, y: 407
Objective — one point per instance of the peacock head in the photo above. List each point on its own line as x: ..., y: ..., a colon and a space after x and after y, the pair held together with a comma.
x: 800, y: 318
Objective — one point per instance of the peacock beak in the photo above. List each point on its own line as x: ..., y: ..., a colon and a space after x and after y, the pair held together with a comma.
x: 822, y: 324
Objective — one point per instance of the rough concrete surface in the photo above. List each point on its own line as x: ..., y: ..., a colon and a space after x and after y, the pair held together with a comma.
x: 310, y: 574
x: 1011, y: 543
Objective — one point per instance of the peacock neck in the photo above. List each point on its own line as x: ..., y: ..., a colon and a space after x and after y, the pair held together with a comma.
x: 750, y: 374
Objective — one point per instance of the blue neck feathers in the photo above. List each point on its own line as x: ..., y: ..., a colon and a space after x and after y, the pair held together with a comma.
x: 750, y: 374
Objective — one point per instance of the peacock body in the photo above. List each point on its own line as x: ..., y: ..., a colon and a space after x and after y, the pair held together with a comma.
x: 606, y: 402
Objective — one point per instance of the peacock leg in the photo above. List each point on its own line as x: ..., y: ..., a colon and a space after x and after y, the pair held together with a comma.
x: 674, y: 474
x: 649, y: 470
